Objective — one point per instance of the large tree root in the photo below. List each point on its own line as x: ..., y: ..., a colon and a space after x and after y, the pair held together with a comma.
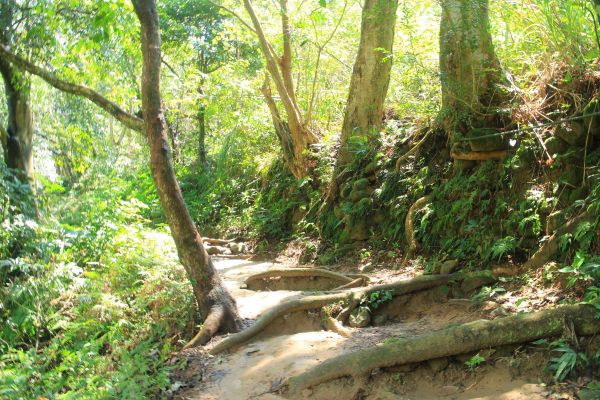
x: 300, y: 272
x: 409, y: 227
x: 221, y: 315
x: 351, y: 297
x: 479, y: 155
x: 217, y: 242
x: 550, y: 247
x: 451, y: 341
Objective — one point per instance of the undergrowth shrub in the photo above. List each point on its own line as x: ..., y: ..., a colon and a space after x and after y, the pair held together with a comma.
x: 476, y: 217
x: 95, y: 308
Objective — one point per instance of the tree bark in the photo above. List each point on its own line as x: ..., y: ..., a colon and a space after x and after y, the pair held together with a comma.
x: 201, y: 132
x: 215, y: 304
x: 369, y: 83
x: 18, y: 150
x: 370, y: 76
x: 470, y: 70
x: 300, y: 136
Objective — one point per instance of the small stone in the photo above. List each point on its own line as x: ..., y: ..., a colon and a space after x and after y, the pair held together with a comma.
x: 360, y: 184
x: 368, y: 267
x: 213, y: 250
x: 356, y: 195
x: 237, y: 248
x: 572, y: 132
x: 359, y: 318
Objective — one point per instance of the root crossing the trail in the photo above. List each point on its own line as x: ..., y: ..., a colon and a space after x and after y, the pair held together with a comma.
x: 454, y: 340
x: 351, y: 297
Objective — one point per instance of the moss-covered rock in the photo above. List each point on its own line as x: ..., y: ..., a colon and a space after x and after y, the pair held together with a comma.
x: 486, y: 139
x: 572, y: 132
x: 360, y: 184
x: 592, y: 122
x: 346, y: 190
x: 356, y: 195
x: 555, y: 145
x: 371, y: 168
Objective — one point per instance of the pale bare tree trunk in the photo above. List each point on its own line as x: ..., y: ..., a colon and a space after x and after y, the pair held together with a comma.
x: 470, y: 70
x: 216, y: 305
x: 280, y: 70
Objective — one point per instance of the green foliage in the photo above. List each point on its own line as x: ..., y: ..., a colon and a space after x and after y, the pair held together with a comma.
x: 17, y: 214
x: 475, y: 361
x: 376, y: 299
x: 91, y: 306
x: 568, y: 361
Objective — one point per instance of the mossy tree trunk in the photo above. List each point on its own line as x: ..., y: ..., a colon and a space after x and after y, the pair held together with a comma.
x: 369, y: 83
x: 370, y: 76
x: 18, y: 135
x: 470, y: 70
x: 18, y: 150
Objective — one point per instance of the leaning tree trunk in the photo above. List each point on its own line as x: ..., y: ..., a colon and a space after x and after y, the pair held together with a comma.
x: 369, y: 82
x: 216, y: 306
x: 19, y: 131
x: 470, y: 70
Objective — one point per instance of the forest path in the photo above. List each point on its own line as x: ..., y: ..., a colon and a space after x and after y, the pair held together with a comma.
x: 296, y: 343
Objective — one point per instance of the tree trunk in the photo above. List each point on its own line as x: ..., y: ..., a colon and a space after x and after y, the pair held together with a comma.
x: 369, y: 83
x: 282, y: 129
x: 370, y: 76
x: 281, y: 72
x: 18, y: 149
x: 215, y: 304
x: 470, y: 70
x: 202, y: 134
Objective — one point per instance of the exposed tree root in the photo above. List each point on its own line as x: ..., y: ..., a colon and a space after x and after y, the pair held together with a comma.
x: 351, y: 296
x: 355, y: 283
x: 413, y: 149
x: 299, y: 272
x: 217, y: 242
x: 209, y: 328
x: 333, y: 325
x: 550, y: 247
x: 479, y: 155
x: 451, y: 341
x: 221, y: 316
x: 233, y: 256
x: 409, y: 227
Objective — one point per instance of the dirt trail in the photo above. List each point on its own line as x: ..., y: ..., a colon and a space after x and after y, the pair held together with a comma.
x: 296, y: 343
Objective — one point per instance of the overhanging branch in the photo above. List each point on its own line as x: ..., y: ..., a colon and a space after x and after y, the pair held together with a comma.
x: 127, y: 119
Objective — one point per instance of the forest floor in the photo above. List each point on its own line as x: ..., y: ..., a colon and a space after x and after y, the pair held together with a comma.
x: 296, y: 342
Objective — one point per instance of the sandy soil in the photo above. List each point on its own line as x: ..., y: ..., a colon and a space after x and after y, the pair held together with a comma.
x: 296, y: 343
